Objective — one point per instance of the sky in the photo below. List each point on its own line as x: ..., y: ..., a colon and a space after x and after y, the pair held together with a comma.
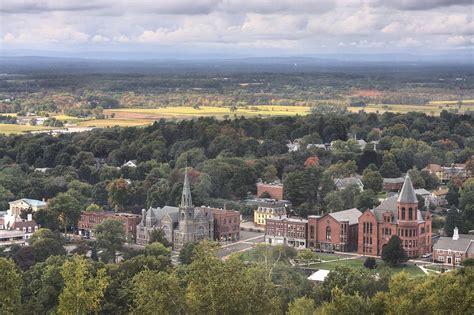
x: 168, y: 28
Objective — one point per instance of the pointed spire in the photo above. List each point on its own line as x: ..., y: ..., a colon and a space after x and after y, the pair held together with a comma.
x: 186, y: 200
x: 407, y: 194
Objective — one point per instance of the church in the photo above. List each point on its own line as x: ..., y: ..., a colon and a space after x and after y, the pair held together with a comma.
x: 180, y: 225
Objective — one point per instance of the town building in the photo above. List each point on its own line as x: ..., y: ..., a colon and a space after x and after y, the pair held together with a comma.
x: 393, y: 184
x: 453, y: 250
x: 446, y: 173
x: 274, y: 190
x: 226, y: 224
x: 16, y: 208
x: 267, y: 210
x: 336, y: 231
x: 283, y: 230
x: 180, y: 225
x: 425, y: 195
x: 12, y: 237
x: 343, y: 183
x: 89, y: 220
x: 438, y: 197
x: 396, y: 216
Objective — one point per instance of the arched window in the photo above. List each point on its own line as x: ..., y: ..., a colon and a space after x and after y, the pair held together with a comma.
x: 166, y: 230
x: 410, y: 214
x: 201, y: 230
x: 328, y: 233
x: 403, y: 213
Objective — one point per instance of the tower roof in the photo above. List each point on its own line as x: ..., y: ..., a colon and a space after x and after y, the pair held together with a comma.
x: 407, y: 194
x: 186, y: 200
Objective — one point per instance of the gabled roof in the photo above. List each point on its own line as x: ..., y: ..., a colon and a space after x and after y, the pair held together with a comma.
x: 407, y: 194
x: 395, y: 180
x: 422, y: 192
x: 351, y: 215
x: 463, y: 244
x: 31, y: 202
x: 348, y: 181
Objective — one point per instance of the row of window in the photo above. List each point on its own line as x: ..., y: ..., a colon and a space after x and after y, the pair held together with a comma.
x: 368, y: 227
x: 408, y: 232
x: 411, y: 213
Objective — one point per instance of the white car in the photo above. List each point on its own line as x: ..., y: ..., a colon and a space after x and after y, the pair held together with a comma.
x: 427, y: 255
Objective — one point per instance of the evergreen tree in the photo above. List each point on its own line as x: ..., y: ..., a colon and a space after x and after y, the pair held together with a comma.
x: 453, y: 219
x: 393, y: 253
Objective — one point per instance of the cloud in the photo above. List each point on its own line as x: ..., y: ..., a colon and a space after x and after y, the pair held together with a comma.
x: 35, y: 6
x: 419, y: 4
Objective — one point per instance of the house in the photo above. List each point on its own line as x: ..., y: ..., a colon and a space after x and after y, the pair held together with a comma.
x: 89, y: 220
x: 283, y: 230
x: 398, y: 215
x: 334, y: 231
x: 425, y: 194
x: 293, y: 146
x: 226, y: 224
x: 325, y: 146
x: 453, y: 250
x: 19, y: 206
x: 446, y: 173
x: 438, y: 197
x: 267, y: 210
x: 273, y: 190
x: 28, y: 226
x: 130, y: 163
x: 180, y: 225
x: 342, y: 183
x: 393, y: 184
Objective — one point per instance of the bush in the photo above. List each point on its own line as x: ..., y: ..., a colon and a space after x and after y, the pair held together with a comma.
x: 370, y: 263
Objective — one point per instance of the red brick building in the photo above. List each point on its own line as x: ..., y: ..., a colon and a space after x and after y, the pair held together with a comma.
x: 286, y: 231
x: 396, y: 216
x: 89, y: 220
x: 393, y: 184
x: 274, y: 190
x: 334, y: 231
x: 226, y: 224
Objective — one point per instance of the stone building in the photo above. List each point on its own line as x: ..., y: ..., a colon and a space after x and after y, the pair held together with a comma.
x: 286, y: 231
x: 453, y: 250
x: 180, y: 225
x: 334, y: 231
x: 396, y: 216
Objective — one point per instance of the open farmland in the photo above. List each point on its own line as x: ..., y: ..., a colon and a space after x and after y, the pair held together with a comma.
x: 432, y: 108
x: 186, y: 112
x: 17, y: 129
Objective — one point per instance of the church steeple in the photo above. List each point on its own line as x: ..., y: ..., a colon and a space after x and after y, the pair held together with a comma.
x: 407, y: 194
x: 186, y: 201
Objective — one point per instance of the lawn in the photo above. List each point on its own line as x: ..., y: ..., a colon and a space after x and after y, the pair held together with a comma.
x: 358, y: 264
x: 17, y: 129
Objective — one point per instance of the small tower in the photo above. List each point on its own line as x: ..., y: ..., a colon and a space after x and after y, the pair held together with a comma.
x: 186, y: 229
x: 407, y: 202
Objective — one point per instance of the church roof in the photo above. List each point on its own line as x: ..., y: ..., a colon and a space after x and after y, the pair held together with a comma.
x: 407, y: 194
x: 351, y: 215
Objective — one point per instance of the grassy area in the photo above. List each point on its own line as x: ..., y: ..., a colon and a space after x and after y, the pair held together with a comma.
x: 432, y: 108
x: 112, y: 122
x: 17, y: 129
x: 358, y: 264
x: 183, y: 112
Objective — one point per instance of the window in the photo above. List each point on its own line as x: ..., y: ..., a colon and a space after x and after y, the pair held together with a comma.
x: 410, y: 214
x: 328, y: 233
x: 403, y: 213
x: 311, y: 231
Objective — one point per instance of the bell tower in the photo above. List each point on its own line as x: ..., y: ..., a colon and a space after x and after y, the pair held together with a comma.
x: 407, y: 202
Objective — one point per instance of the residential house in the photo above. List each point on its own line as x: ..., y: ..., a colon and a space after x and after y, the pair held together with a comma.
x: 130, y: 163
x: 446, y: 173
x: 453, y: 250
x: 438, y: 197
x: 342, y: 183
x: 268, y: 210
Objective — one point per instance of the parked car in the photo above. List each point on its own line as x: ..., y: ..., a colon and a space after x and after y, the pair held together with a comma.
x: 427, y: 255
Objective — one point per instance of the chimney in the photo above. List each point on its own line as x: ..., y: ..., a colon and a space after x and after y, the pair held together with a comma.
x: 455, y: 234
x: 30, y: 217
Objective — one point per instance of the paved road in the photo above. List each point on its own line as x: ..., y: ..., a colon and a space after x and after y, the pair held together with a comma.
x: 247, y: 241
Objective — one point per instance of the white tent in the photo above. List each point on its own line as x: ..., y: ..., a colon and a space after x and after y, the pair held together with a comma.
x: 319, y: 275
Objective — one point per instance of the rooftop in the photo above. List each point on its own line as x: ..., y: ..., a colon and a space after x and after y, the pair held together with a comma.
x: 351, y: 215
x: 407, y: 194
x: 465, y: 243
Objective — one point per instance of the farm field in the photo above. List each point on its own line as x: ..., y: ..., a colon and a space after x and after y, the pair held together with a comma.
x: 17, y: 129
x: 433, y: 108
x: 103, y: 123
x: 185, y: 112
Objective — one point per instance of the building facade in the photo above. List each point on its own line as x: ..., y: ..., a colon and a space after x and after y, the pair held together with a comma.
x: 453, y: 250
x: 396, y: 216
x: 226, y: 224
x: 446, y: 173
x: 89, y: 220
x: 343, y: 183
x: 268, y: 210
x: 336, y: 231
x: 274, y: 190
x: 286, y: 231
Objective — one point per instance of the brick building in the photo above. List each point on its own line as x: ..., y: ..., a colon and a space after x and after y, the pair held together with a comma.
x: 453, y: 250
x: 89, y: 220
x: 334, y: 231
x: 396, y: 216
x: 286, y: 231
x: 226, y: 224
x: 274, y: 190
x: 393, y: 184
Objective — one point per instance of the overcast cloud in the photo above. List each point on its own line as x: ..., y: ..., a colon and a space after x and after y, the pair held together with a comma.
x: 238, y: 26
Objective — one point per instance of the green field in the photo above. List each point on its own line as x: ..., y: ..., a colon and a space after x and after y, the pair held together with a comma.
x: 358, y: 263
x: 17, y: 129
x: 432, y: 108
